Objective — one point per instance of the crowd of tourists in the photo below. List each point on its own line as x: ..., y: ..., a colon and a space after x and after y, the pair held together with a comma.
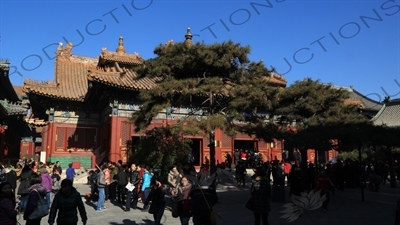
x: 191, y: 194
x: 40, y: 192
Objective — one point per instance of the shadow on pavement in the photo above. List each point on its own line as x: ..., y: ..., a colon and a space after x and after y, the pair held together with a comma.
x: 125, y: 222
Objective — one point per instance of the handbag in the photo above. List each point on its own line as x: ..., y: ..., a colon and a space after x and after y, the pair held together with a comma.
x: 41, y: 210
x: 250, y: 204
x: 153, y: 207
x: 174, y: 210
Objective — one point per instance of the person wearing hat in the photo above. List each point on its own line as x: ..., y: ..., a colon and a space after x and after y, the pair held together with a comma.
x: 8, y: 214
x: 47, y: 182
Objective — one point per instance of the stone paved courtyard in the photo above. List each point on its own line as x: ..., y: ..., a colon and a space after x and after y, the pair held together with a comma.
x: 345, y: 208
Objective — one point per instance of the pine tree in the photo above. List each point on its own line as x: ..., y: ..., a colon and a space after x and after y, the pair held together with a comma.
x: 312, y: 115
x: 217, y: 82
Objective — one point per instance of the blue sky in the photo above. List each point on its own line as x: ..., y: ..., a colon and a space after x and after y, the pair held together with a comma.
x: 341, y: 42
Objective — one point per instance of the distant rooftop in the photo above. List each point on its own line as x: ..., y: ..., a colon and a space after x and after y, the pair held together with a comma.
x: 368, y: 103
x: 4, y: 64
x: 389, y: 115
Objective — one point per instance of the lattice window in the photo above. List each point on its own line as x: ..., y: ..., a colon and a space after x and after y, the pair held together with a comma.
x: 71, y: 138
x: 278, y: 144
x: 262, y: 145
x: 80, y: 138
x: 226, y: 141
x: 25, y: 151
x: 125, y: 133
x: 60, y: 138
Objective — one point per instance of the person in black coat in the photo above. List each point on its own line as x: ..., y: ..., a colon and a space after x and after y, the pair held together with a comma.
x: 240, y: 174
x: 261, y: 194
x: 157, y: 198
x: 203, y: 199
x: 66, y: 201
x: 11, y: 177
x: 132, y: 196
x: 8, y: 214
x: 295, y: 181
x: 25, y: 177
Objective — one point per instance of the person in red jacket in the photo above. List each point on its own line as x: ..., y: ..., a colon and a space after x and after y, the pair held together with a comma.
x: 243, y: 158
x: 287, y: 167
x: 323, y: 183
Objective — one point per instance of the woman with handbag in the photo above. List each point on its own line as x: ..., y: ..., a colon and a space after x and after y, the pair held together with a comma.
x: 183, y: 201
x: 25, y: 182
x: 34, y: 209
x: 157, y: 198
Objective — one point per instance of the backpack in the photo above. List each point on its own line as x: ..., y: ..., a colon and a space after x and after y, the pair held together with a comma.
x: 122, y: 177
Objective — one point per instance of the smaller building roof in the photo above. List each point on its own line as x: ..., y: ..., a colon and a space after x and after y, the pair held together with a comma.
x: 70, y: 81
x: 362, y: 100
x: 13, y: 108
x: 4, y: 65
x: 127, y: 79
x: 389, y: 114
x: 36, y: 122
x: 277, y: 80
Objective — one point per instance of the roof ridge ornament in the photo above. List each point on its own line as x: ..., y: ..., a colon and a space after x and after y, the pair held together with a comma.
x: 64, y: 52
x: 59, y: 48
x: 170, y: 42
x: 188, y: 37
x: 121, y: 48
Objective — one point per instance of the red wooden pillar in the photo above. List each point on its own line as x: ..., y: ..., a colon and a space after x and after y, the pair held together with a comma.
x: 218, y: 141
x: 49, y: 143
x: 2, y: 142
x: 114, y: 147
x: 94, y: 159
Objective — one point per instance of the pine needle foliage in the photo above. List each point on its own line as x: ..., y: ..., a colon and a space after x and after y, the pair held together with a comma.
x: 316, y: 113
x: 217, y: 82
x: 170, y: 148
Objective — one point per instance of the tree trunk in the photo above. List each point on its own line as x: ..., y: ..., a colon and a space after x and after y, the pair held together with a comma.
x: 213, y: 168
x: 304, y: 167
x: 392, y: 174
x: 362, y: 177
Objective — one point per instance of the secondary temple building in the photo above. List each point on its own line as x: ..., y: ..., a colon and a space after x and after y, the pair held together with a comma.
x: 15, y: 133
